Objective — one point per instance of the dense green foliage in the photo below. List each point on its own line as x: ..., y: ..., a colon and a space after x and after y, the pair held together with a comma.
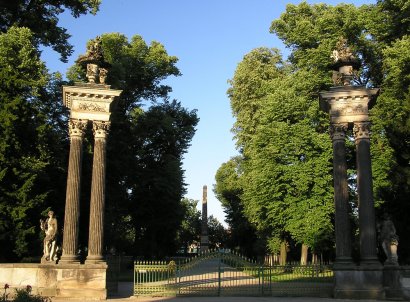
x: 228, y: 190
x: 30, y: 143
x: 42, y: 18
x: 285, y: 183
x: 190, y: 229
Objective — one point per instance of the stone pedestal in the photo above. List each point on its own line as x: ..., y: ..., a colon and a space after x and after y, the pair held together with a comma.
x: 69, y: 281
x: 392, y: 282
x: 359, y: 283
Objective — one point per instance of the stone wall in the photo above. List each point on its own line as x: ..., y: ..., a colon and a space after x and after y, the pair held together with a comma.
x: 57, y: 280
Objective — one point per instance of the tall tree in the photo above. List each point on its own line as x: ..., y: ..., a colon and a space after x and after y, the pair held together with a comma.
x: 190, y: 229
x: 26, y: 147
x: 228, y: 190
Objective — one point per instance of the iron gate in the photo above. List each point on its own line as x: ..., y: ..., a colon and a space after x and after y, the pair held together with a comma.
x: 227, y: 274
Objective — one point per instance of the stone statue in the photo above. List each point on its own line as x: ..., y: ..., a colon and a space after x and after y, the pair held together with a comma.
x: 49, y: 226
x: 389, y: 241
x: 94, y: 54
x: 345, y: 64
x: 343, y: 52
x: 93, y: 61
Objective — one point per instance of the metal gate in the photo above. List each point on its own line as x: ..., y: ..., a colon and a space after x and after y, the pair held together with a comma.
x: 227, y: 274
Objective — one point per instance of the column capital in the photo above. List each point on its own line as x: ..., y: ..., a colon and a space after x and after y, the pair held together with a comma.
x: 338, y: 131
x: 76, y: 127
x: 101, y: 129
x: 361, y: 130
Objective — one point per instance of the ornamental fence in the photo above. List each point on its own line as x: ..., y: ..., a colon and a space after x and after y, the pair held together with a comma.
x: 218, y: 273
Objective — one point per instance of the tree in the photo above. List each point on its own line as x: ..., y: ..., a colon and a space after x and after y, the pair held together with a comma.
x: 190, y: 229
x: 286, y: 156
x: 29, y: 144
x: 217, y: 233
x: 42, y: 18
x: 228, y: 190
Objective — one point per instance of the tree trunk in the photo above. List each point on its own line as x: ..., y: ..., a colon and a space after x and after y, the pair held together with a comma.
x: 283, y: 252
x: 304, y: 255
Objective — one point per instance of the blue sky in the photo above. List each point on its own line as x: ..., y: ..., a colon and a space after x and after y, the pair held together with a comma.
x: 210, y: 37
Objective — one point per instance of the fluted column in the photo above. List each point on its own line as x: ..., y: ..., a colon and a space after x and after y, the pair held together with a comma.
x: 97, y: 203
x: 367, y: 219
x: 72, y: 204
x: 341, y: 195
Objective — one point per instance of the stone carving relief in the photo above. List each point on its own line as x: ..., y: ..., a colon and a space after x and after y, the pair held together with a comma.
x: 91, y: 106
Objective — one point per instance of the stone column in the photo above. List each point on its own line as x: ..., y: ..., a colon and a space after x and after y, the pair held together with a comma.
x: 204, y: 226
x: 341, y: 195
x: 97, y: 203
x: 367, y: 219
x: 72, y: 204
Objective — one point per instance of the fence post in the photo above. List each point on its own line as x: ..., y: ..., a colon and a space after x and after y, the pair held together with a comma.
x: 219, y: 277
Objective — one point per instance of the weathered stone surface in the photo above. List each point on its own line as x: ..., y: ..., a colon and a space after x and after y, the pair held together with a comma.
x: 361, y: 283
x: 69, y: 281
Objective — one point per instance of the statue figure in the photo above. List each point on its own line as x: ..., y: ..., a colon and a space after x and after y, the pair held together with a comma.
x: 343, y: 52
x: 94, y: 54
x: 345, y: 64
x: 389, y: 240
x: 94, y: 61
x: 49, y: 226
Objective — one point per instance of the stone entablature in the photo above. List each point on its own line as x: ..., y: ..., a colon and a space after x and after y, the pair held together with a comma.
x: 348, y: 104
x: 89, y: 102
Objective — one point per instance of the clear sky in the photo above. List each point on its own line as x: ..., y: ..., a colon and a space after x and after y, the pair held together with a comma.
x: 210, y: 37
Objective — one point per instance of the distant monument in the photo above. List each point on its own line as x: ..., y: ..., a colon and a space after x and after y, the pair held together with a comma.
x: 204, y: 226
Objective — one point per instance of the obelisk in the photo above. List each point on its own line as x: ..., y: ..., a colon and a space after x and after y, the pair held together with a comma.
x: 204, y: 226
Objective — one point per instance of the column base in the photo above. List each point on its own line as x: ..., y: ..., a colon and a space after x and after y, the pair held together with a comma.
x: 344, y: 263
x: 69, y: 259
x: 95, y: 259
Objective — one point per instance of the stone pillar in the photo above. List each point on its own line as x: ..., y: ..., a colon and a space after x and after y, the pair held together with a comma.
x: 367, y: 219
x: 341, y: 195
x: 72, y: 205
x: 97, y: 203
x: 204, y: 226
